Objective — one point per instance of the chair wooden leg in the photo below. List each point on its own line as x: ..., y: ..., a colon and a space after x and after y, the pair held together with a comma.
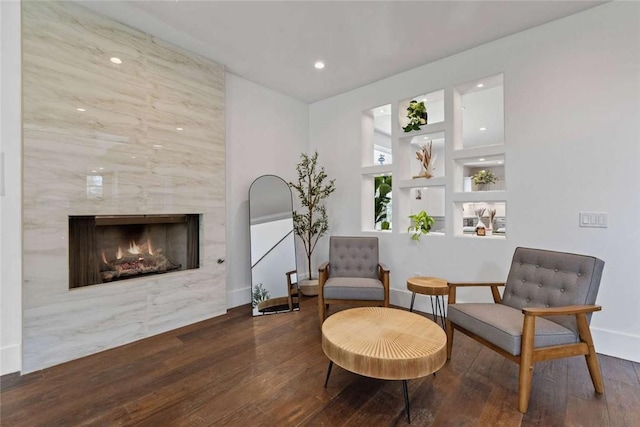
x: 526, y: 363
x: 449, y: 330
x: 592, y: 358
x: 321, y: 309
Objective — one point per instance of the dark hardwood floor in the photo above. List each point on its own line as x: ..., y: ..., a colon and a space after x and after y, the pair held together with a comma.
x: 269, y: 371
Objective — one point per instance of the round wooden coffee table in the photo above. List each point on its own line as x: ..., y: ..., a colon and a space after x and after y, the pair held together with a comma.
x: 384, y: 343
x: 433, y: 287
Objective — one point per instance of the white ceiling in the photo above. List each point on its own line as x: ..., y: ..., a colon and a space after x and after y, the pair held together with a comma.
x: 276, y: 43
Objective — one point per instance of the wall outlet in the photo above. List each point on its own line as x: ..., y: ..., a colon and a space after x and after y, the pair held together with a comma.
x: 593, y: 219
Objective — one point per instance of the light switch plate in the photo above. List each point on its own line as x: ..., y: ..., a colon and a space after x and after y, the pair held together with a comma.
x: 593, y: 219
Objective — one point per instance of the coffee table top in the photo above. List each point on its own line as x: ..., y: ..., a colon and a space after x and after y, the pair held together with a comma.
x: 428, y: 285
x: 384, y: 343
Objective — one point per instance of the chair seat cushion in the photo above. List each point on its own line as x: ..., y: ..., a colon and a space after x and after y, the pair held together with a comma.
x: 354, y: 288
x: 502, y: 325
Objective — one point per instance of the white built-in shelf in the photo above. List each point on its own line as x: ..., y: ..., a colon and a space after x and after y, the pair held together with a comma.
x: 422, y: 182
x: 479, y: 196
x: 474, y: 236
x: 376, y: 169
x: 486, y: 151
x: 424, y: 130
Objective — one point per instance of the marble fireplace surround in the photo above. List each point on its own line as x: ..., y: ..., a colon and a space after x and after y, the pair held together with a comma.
x: 152, y: 129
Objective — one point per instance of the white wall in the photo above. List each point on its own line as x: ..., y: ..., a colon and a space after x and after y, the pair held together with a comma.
x: 266, y: 132
x: 571, y: 132
x: 10, y: 201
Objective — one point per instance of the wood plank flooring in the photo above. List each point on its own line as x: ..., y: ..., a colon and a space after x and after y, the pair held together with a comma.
x: 236, y: 370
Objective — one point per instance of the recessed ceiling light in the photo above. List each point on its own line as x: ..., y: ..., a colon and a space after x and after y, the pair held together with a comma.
x: 157, y: 146
x: 483, y: 128
x: 480, y: 85
x: 101, y: 168
x: 81, y: 109
x: 481, y: 160
x: 319, y: 65
x: 116, y: 60
x: 93, y: 171
x: 133, y: 157
x: 500, y: 162
x: 179, y: 129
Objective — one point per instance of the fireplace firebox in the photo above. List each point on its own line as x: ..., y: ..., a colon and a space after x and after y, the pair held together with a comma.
x: 106, y: 248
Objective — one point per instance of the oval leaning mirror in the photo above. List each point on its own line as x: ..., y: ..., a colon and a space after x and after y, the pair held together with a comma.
x: 274, y: 287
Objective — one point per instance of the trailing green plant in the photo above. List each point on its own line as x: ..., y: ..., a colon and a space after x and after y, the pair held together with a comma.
x: 311, y: 223
x: 417, y: 115
x: 420, y: 224
x: 259, y: 294
x: 484, y: 177
x: 382, y: 187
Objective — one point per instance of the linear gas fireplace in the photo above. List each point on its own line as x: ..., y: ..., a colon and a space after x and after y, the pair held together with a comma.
x: 118, y: 247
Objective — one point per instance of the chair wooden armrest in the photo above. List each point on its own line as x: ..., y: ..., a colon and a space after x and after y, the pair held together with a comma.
x: 494, y: 290
x: 323, y: 266
x: 383, y: 274
x: 323, y: 274
x: 558, y: 311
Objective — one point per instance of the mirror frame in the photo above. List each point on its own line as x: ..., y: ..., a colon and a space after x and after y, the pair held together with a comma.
x: 290, y: 299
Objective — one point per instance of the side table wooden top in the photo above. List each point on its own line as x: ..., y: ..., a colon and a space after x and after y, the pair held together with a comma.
x: 428, y: 285
x: 384, y: 343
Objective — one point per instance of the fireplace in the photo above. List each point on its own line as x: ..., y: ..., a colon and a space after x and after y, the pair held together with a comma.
x: 110, y: 248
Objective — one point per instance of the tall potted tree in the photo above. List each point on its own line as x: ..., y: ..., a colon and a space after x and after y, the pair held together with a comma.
x: 311, y: 223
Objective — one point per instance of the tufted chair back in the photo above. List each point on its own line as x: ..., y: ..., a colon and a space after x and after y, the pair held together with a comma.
x: 540, y: 278
x: 353, y: 257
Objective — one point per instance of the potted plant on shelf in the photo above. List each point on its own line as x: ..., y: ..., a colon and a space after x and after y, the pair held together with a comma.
x: 417, y: 115
x: 383, y: 186
x: 420, y: 224
x: 483, y: 178
x: 311, y: 223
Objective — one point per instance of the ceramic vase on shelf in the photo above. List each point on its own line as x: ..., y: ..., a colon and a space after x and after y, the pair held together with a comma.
x: 480, y: 227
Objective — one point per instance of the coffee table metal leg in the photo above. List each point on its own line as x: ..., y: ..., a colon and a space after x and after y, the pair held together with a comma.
x: 328, y: 373
x: 407, y: 406
x: 413, y: 298
x: 434, y: 311
x: 440, y: 305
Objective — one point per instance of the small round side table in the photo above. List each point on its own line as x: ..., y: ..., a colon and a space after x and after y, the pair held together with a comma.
x: 434, y: 287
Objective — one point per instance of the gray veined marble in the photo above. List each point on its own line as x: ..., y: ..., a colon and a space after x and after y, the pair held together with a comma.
x: 123, y: 154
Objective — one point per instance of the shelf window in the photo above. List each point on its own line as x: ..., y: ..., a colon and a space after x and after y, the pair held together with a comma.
x: 483, y: 173
x: 430, y: 200
x: 382, y: 201
x: 482, y: 112
x: 376, y: 128
x: 432, y: 146
x: 492, y: 214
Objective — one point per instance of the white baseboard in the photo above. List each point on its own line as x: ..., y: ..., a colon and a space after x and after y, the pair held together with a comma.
x: 616, y: 344
x: 10, y: 359
x: 238, y: 297
x: 402, y: 298
x: 612, y: 343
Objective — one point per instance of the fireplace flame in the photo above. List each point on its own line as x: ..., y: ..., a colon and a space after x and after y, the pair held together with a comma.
x: 119, y: 254
x: 150, y: 249
x: 104, y: 258
x: 133, y: 248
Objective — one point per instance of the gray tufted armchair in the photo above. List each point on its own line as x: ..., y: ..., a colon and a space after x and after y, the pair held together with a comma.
x: 353, y: 274
x: 544, y: 313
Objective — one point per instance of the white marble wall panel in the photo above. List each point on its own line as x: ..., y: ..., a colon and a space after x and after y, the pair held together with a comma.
x: 127, y: 136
